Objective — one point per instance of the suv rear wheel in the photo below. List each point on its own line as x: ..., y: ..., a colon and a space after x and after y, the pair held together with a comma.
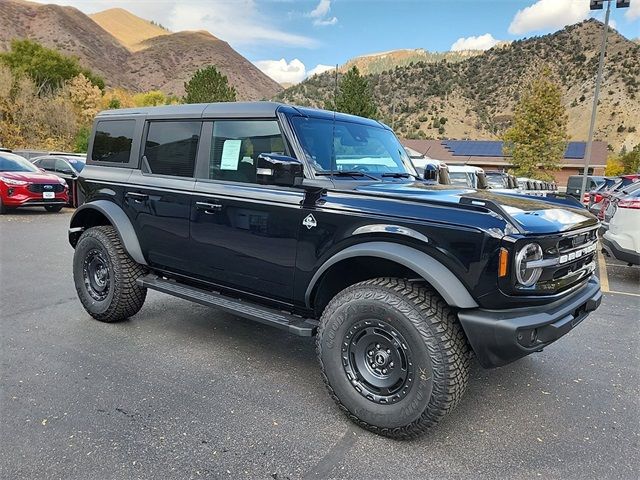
x: 105, y: 276
x: 393, y: 356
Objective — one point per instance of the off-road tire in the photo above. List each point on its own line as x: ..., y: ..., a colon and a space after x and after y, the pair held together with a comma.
x: 53, y: 208
x: 124, y: 297
x: 437, y: 344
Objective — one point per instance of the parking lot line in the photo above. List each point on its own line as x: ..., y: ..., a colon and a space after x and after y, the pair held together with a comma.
x: 604, y: 276
x: 624, y: 293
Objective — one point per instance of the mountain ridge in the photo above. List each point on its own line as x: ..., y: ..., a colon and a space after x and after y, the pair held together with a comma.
x: 475, y: 97
x: 162, y: 62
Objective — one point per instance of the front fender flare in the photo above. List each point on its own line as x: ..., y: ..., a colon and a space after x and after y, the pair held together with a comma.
x: 117, y: 218
x: 434, y: 272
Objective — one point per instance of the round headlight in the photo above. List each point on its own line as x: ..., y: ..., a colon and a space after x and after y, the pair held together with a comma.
x: 528, y: 276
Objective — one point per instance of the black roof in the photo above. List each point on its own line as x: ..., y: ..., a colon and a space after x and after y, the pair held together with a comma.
x: 231, y: 110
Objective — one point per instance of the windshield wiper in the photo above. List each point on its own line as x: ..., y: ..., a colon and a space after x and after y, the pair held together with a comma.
x: 347, y: 173
x: 399, y: 175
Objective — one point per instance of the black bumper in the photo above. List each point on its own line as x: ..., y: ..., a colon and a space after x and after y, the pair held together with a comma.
x: 622, y: 254
x: 499, y: 337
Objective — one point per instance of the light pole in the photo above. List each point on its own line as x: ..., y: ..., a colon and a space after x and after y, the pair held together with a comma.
x: 597, y: 5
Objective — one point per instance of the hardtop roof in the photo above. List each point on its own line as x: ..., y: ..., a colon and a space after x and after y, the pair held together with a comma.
x: 231, y: 110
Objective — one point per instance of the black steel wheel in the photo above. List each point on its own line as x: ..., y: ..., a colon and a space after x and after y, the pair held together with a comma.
x: 393, y: 356
x: 377, y: 361
x: 105, y: 276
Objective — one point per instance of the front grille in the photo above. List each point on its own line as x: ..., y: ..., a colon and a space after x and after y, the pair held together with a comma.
x: 45, y: 187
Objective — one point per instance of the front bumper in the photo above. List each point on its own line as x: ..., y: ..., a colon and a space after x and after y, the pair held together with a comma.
x: 499, y: 337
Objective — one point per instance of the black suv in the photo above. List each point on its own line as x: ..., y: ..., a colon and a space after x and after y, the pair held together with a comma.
x: 317, y: 223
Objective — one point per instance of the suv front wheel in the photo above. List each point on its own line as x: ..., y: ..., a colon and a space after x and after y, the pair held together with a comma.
x: 393, y: 356
x: 105, y: 276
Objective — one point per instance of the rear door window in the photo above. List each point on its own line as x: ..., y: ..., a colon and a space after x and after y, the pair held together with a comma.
x: 171, y: 147
x: 112, y: 141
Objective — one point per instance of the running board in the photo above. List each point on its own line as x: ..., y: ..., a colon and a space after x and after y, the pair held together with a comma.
x: 293, y: 324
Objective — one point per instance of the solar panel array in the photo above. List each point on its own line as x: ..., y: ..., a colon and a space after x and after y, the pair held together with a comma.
x: 492, y: 148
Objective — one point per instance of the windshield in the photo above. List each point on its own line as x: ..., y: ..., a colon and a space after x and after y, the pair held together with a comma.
x: 355, y: 147
x: 460, y: 178
x: 15, y: 163
x: 496, y: 180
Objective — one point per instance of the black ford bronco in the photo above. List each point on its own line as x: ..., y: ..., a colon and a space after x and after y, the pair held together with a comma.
x: 317, y: 223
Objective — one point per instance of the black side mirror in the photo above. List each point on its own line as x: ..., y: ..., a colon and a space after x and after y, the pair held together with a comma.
x: 431, y: 172
x: 274, y: 169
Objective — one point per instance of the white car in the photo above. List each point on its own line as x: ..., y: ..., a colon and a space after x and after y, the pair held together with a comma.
x: 622, y: 239
x: 467, y: 176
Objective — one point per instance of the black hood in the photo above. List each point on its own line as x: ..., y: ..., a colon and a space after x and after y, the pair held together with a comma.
x: 530, y: 214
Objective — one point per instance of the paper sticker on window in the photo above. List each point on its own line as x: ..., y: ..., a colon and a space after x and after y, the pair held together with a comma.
x: 230, y: 155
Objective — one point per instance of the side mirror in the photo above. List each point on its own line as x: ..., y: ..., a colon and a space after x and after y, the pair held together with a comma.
x: 274, y: 169
x: 431, y: 172
x: 42, y: 170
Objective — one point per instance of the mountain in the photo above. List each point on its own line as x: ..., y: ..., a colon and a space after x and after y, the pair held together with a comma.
x: 475, y: 97
x: 130, y: 52
x: 128, y: 29
x: 382, y: 61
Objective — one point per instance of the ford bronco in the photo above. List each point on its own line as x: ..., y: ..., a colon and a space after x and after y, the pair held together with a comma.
x: 318, y: 223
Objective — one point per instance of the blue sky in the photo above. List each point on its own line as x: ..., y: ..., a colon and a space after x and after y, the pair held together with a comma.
x: 290, y: 39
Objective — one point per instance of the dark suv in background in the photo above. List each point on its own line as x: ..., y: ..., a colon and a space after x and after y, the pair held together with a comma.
x: 318, y: 223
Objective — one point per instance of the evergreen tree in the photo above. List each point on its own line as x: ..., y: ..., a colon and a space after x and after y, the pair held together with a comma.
x: 538, y: 137
x: 355, y: 96
x: 208, y: 85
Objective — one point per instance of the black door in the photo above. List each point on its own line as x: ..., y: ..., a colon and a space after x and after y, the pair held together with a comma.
x: 243, y: 234
x: 159, y: 203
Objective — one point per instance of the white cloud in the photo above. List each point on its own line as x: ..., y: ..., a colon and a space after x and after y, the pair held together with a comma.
x: 318, y: 69
x: 289, y: 72
x: 238, y: 22
x: 633, y: 12
x: 320, y: 14
x: 481, y: 42
x: 548, y: 15
x: 283, y: 72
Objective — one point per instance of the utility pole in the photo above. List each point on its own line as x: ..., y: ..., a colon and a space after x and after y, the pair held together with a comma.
x: 597, y: 5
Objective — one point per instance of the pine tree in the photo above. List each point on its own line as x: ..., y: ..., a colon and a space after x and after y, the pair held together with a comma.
x: 208, y: 85
x: 538, y: 137
x: 354, y: 96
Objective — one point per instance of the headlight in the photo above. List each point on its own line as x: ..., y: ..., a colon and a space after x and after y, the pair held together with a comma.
x: 529, y: 253
x: 11, y: 181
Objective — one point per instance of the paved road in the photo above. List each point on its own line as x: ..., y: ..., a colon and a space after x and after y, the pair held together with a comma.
x: 182, y: 391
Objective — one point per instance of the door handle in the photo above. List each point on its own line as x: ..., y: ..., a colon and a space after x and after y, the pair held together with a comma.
x: 209, y: 208
x: 137, y: 197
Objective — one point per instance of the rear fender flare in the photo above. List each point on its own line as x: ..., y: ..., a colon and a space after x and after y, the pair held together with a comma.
x: 117, y: 218
x: 430, y: 269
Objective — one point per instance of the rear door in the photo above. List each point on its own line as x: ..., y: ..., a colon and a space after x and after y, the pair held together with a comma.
x: 243, y: 234
x: 159, y: 197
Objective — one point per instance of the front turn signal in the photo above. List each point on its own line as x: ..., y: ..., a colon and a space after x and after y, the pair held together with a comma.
x: 503, y: 262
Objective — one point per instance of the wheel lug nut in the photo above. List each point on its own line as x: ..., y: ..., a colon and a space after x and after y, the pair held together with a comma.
x: 384, y: 370
x: 388, y: 350
x: 377, y: 345
x: 391, y: 364
x: 370, y: 353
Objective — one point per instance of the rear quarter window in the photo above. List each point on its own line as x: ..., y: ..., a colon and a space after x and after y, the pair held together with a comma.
x: 112, y: 141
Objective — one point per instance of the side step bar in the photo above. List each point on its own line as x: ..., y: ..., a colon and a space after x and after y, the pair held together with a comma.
x: 293, y: 324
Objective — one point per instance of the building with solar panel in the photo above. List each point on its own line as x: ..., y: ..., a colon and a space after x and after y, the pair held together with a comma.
x: 488, y: 155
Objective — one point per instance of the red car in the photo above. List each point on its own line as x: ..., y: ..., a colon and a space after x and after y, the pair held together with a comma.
x: 22, y: 184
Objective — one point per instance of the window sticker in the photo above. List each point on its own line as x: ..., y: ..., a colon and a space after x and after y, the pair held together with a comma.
x: 230, y: 155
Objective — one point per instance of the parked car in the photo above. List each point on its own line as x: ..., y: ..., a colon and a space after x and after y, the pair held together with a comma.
x: 622, y: 239
x: 595, y: 196
x: 472, y: 177
x: 67, y: 167
x: 22, y: 184
x: 317, y: 223
x: 497, y: 180
x: 626, y: 185
x: 574, y: 184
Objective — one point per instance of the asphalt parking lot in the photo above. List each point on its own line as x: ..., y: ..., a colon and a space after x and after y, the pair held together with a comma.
x: 183, y: 391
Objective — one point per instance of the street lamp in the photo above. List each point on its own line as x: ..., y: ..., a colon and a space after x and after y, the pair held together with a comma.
x: 598, y: 5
